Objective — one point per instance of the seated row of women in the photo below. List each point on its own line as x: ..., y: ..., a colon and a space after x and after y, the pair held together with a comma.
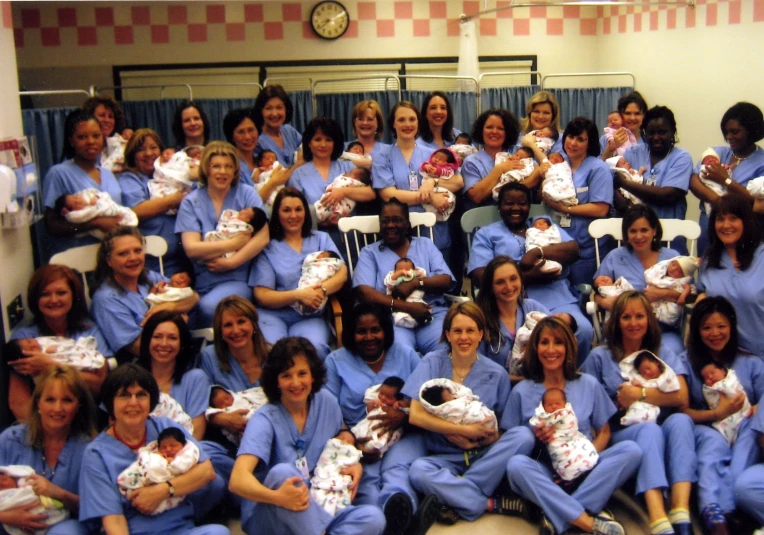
x: 470, y: 441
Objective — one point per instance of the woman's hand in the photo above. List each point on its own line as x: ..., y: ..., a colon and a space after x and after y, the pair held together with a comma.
x: 543, y: 167
x: 728, y: 406
x: 628, y: 394
x: 280, y: 175
x: 462, y: 442
x: 545, y: 433
x: 221, y: 265
x: 147, y: 499
x: 510, y: 165
x: 390, y: 420
x: 557, y: 206
x: 439, y: 201
x: 233, y: 422
x: 404, y: 289
x: 105, y: 224
x: 23, y: 518
x: 293, y: 494
x: 421, y: 312
x: 355, y: 472
x: 717, y: 172
x: 528, y: 140
x: 332, y: 197
x: 620, y: 137
x: 311, y: 297
x: 34, y: 363
x: 176, y: 198
x: 43, y: 487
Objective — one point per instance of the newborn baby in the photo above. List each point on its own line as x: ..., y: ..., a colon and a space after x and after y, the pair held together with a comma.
x: 718, y: 382
x: 81, y: 354
x: 317, y: 268
x: 16, y: 491
x: 267, y: 162
x: 541, y: 234
x: 329, y: 488
x: 168, y: 407
x: 388, y: 395
x: 614, y: 124
x: 522, y: 337
x: 709, y: 157
x: 224, y: 400
x: 115, y: 153
x: 558, y: 182
x: 644, y: 369
x: 455, y: 403
x: 178, y: 289
x: 404, y: 270
x: 234, y: 223
x: 90, y: 203
x: 463, y: 146
x: 159, y: 461
x: 442, y: 165
x: 355, y: 178
x: 355, y: 153
x: 545, y: 138
x: 524, y: 155
x: 171, y: 177
x: 572, y: 453
x: 675, y: 274
x: 620, y: 165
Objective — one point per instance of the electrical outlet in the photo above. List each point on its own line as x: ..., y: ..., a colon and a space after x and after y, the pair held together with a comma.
x: 15, y: 311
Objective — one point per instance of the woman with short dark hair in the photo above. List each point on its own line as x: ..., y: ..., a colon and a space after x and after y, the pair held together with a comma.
x: 273, y: 112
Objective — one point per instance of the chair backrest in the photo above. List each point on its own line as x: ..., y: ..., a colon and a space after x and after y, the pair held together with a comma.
x: 672, y: 229
x: 83, y: 259
x: 157, y: 246
x: 359, y: 231
x: 477, y: 218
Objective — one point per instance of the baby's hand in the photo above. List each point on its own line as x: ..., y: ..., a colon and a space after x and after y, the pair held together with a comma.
x: 373, y: 404
x: 603, y: 280
x: 51, y: 350
x: 637, y: 382
x: 430, y: 169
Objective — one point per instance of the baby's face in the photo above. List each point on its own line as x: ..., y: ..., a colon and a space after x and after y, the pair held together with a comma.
x: 222, y: 399
x: 246, y: 214
x: 323, y: 254
x: 7, y: 482
x: 447, y: 395
x: 357, y: 174
x: 29, y: 344
x: 267, y: 160
x: 461, y: 140
x: 541, y: 224
x: 675, y: 270
x: 167, y: 154
x: 387, y: 394
x: 544, y: 132
x: 708, y: 160
x: 553, y: 401
x: 623, y: 164
x: 356, y: 149
x: 169, y: 448
x: 127, y: 133
x: 194, y: 153
x: 75, y: 202
x: 712, y: 374
x: 614, y: 120
x: 180, y: 280
x: 556, y: 158
x: 404, y: 265
x: 439, y: 158
x: 649, y: 369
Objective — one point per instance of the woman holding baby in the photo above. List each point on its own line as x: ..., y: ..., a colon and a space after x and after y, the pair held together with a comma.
x: 221, y: 267
x: 666, y: 442
x: 57, y: 301
x: 542, y: 111
x: 550, y: 363
x: 58, y: 427
x: 632, y: 109
x: 714, y: 357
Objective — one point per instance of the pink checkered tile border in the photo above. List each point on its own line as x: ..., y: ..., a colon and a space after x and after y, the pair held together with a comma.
x: 275, y: 21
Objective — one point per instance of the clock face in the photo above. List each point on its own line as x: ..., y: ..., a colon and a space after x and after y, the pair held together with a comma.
x: 329, y: 19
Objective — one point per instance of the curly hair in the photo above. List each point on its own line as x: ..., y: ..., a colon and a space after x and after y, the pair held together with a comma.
x: 508, y: 120
x: 92, y: 103
x: 281, y: 358
x: 73, y: 120
x: 103, y: 272
x: 661, y: 112
x: 350, y: 323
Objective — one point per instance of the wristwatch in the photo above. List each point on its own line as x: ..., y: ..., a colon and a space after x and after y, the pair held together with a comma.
x: 171, y: 487
x: 323, y: 289
x: 421, y: 282
x: 728, y: 181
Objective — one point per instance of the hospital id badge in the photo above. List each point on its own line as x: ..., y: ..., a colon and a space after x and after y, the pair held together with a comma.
x: 565, y: 220
x: 413, y: 181
x: 302, y: 465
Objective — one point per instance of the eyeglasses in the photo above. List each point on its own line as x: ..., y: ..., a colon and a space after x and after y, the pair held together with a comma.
x: 127, y: 396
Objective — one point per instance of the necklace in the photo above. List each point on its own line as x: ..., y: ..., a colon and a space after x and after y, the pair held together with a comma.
x: 738, y: 159
x: 375, y: 361
x: 461, y: 377
x: 135, y: 446
x: 46, y: 469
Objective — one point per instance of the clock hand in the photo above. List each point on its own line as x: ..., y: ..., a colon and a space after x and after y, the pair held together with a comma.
x: 333, y: 18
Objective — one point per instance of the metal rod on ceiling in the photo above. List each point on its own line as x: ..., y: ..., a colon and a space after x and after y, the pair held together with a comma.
x: 585, y: 3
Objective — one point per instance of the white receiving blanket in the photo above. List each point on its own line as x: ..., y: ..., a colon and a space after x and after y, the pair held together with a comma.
x: 251, y: 399
x: 263, y: 179
x: 572, y: 453
x: 316, y: 271
x: 617, y: 288
x: 728, y: 387
x: 24, y: 496
x: 343, y: 208
x: 377, y: 442
x: 666, y: 311
x: 462, y: 151
x: 170, y: 408
x: 115, y: 153
x: 629, y: 174
x: 169, y: 295
x: 404, y: 319
x: 516, y: 175
x: 558, y: 184
x: 353, y: 157
x: 755, y: 187
x: 641, y: 411
x: 522, y: 337
x: 229, y: 225
x: 535, y: 237
x: 171, y: 177
x: 466, y: 408
x: 543, y: 143
x: 151, y: 468
x: 81, y: 354
x: 328, y: 487
x: 104, y: 206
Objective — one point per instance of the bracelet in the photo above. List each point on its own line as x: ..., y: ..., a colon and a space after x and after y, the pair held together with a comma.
x: 644, y: 394
x: 392, y: 301
x: 542, y: 252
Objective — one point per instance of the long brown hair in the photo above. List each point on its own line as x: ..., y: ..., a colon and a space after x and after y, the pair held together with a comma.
x: 103, y: 271
x: 238, y: 306
x: 532, y: 368
x: 614, y: 335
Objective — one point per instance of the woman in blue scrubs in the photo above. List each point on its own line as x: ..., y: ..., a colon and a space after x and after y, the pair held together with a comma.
x: 594, y: 190
x: 217, y: 275
x: 369, y: 127
x: 130, y: 393
x: 642, y: 234
x: 52, y: 442
x: 190, y: 125
x: 668, y: 458
x: 541, y: 111
x: 550, y: 362
x: 714, y: 339
x: 667, y: 174
x: 273, y: 112
x: 437, y: 128
x: 632, y: 108
x: 369, y: 356
x: 276, y: 272
x: 141, y: 151
x: 742, y: 127
x: 283, y: 443
x: 56, y: 299
x: 749, y: 486
x: 122, y: 283
x: 733, y: 267
x: 395, y: 173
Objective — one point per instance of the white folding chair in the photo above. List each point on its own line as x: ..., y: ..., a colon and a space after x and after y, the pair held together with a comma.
x: 83, y: 259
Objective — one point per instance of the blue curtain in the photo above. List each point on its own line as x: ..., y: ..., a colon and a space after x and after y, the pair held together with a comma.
x: 463, y: 105
x: 509, y: 98
x: 593, y: 103
x: 340, y: 107
x: 303, y: 109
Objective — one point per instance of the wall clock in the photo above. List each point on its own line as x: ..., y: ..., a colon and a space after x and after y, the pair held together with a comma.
x: 329, y: 19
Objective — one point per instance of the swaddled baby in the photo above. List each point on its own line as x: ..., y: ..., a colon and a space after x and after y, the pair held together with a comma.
x: 159, y: 461
x: 524, y: 155
x: 178, y: 289
x: 614, y: 124
x: 455, y: 403
x: 675, y: 274
x: 545, y: 138
x: 90, y: 203
x: 224, y: 400
x: 388, y: 395
x: 572, y: 453
x: 234, y: 223
x: 16, y: 491
x: 355, y: 153
x: 329, y: 488
x: 267, y: 162
x: 463, y: 146
x: 619, y: 164
x: 755, y: 187
x: 115, y: 153
x: 606, y: 287
x: 522, y: 337
x: 558, y: 182
x: 317, y: 268
x: 442, y: 165
x: 644, y: 369
x: 168, y: 407
x: 709, y: 157
x: 171, y: 177
x: 541, y: 234
x: 718, y: 382
x: 81, y: 354
x: 355, y: 178
x: 403, y: 271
